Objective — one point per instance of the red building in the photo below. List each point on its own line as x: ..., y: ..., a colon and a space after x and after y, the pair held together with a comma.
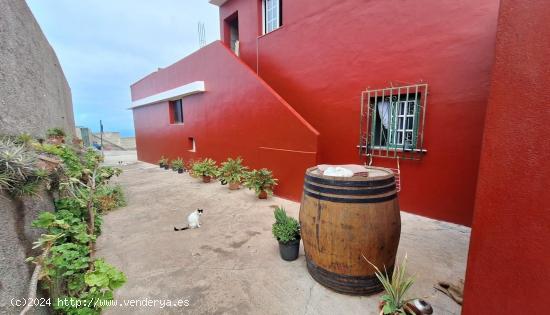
x: 298, y: 83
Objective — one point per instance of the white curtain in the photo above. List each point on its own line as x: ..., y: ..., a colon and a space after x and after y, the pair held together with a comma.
x: 384, y: 112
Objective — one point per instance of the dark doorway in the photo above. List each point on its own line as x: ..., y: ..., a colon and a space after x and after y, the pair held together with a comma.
x: 232, y: 27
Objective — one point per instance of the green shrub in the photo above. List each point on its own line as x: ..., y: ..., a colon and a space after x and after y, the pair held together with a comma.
x: 206, y: 167
x: 67, y: 265
x: 260, y: 180
x: 232, y: 170
x: 285, y: 229
x: 109, y: 198
x: 163, y: 161
x: 55, y: 132
x: 178, y: 164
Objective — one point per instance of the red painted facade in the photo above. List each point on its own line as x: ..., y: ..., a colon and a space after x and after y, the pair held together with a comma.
x: 315, y: 67
x: 509, y: 258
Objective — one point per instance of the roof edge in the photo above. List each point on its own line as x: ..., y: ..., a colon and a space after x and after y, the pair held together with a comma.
x: 219, y: 3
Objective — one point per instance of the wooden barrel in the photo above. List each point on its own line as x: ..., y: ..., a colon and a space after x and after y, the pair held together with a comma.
x: 345, y: 218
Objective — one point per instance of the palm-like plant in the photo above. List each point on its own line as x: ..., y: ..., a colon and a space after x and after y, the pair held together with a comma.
x: 394, y: 301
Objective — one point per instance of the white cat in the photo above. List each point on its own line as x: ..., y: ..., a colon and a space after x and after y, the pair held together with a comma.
x: 193, y: 221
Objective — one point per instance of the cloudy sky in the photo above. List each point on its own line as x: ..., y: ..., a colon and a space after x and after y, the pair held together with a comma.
x: 104, y: 46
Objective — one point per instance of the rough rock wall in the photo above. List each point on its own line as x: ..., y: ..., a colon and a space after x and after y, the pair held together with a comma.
x: 16, y: 237
x: 34, y: 94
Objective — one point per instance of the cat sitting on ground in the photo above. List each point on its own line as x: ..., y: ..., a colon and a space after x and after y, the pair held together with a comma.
x: 193, y: 221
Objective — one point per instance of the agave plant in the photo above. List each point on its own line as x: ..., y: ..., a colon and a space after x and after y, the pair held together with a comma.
x: 19, y: 174
x: 394, y: 301
x: 17, y: 162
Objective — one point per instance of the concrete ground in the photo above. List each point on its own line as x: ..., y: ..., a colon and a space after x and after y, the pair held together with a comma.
x: 114, y: 157
x: 231, y: 264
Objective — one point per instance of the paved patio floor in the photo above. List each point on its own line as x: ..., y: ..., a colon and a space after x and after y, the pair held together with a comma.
x: 231, y: 264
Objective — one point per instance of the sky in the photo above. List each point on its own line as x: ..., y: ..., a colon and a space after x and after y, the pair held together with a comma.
x: 105, y: 46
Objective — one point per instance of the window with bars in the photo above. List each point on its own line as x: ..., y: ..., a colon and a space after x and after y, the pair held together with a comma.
x: 272, y: 15
x: 392, y: 121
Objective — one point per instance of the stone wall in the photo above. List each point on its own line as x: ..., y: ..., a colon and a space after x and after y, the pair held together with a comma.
x: 34, y: 94
x: 16, y: 238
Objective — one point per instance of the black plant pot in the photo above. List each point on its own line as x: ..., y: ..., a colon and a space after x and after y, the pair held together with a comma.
x: 289, y: 251
x: 161, y: 165
x: 180, y: 171
x: 165, y: 167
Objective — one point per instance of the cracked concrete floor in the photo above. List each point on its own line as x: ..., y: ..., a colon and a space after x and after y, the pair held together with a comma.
x: 231, y: 264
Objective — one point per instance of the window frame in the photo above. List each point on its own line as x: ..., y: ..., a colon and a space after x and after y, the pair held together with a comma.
x: 396, y: 133
x: 277, y: 20
x: 174, y: 119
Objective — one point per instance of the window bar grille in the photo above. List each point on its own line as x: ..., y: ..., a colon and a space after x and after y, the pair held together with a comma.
x: 403, y: 137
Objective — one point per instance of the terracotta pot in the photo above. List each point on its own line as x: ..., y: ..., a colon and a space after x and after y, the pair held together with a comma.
x: 48, y: 163
x: 77, y: 142
x: 56, y: 139
x: 234, y: 186
x: 206, y: 179
x: 263, y: 194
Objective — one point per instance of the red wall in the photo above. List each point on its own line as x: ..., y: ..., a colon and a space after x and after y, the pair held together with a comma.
x: 238, y: 115
x: 327, y: 52
x: 509, y: 259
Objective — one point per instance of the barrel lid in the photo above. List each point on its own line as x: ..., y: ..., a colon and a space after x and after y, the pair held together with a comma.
x: 373, y: 173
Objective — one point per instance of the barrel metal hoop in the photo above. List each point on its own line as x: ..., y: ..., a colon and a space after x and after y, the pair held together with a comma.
x: 347, y: 284
x: 350, y: 200
x: 342, y: 183
x: 359, y: 192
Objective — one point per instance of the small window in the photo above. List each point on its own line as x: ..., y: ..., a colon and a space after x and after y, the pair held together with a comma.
x: 396, y: 123
x: 177, y: 112
x: 191, y: 144
x: 272, y: 15
x: 392, y: 121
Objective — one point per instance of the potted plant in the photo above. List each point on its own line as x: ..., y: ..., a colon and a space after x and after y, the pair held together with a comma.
x: 286, y: 231
x: 56, y: 135
x: 261, y: 181
x: 189, y: 167
x: 163, y: 161
x: 177, y: 165
x: 393, y: 301
x: 206, y: 168
x: 232, y: 171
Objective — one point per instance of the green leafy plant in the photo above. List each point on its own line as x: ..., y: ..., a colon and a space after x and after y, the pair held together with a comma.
x: 206, y: 167
x: 66, y: 266
x: 163, y: 161
x: 55, y: 132
x: 396, y: 287
x: 232, y: 170
x: 285, y: 229
x: 260, y: 180
x: 178, y: 164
